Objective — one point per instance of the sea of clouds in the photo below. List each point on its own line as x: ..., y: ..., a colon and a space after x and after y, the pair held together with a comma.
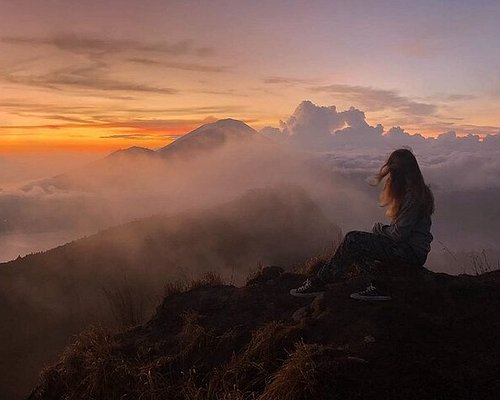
x: 345, y: 137
x: 330, y: 153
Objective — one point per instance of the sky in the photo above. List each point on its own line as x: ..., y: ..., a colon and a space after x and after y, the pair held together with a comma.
x: 100, y: 75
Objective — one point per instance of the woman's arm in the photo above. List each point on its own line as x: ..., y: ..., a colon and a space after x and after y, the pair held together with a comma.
x: 408, y: 217
x: 378, y: 228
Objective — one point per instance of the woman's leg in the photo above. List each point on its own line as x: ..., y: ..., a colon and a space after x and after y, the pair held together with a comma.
x: 362, y: 248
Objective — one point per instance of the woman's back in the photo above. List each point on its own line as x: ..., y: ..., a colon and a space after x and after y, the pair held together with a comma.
x: 412, y: 225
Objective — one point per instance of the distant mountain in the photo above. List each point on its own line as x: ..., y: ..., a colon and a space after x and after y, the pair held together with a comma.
x: 121, y: 167
x: 133, y: 151
x: 210, y: 136
x: 129, y: 167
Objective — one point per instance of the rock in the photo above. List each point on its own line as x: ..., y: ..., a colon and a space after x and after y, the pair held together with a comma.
x: 317, y: 305
x: 300, y: 314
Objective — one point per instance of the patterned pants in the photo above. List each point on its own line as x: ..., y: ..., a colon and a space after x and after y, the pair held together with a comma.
x: 364, y: 249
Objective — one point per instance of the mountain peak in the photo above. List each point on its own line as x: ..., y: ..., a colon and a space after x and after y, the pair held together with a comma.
x: 230, y: 122
x: 210, y: 136
x: 133, y: 151
x: 228, y: 125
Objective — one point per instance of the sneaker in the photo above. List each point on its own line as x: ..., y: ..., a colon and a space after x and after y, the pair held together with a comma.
x: 371, y: 294
x: 310, y: 288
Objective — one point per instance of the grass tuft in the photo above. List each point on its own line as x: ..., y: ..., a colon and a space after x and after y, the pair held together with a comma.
x: 90, y: 367
x: 208, y: 279
x: 296, y: 379
x: 127, y: 305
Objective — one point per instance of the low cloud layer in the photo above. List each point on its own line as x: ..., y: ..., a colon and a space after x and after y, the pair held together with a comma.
x: 346, y: 138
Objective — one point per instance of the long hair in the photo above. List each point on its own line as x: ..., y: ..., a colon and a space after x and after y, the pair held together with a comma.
x: 403, y: 174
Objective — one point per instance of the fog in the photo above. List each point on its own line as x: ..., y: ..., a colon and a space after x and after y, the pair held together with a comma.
x: 19, y: 167
x: 331, y: 154
x: 192, y: 215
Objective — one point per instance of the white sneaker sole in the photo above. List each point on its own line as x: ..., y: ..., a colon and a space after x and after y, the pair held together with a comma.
x: 357, y: 296
x: 294, y: 292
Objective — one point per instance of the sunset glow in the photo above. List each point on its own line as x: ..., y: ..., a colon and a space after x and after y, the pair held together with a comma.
x: 107, y: 75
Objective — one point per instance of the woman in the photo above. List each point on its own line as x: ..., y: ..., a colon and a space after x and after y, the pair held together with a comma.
x: 406, y: 240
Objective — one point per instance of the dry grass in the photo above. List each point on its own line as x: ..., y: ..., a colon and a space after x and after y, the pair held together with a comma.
x: 315, y: 371
x: 481, y: 264
x: 247, y: 374
x: 475, y: 262
x: 174, y: 287
x: 296, y: 379
x: 127, y: 305
x: 254, y: 272
x: 91, y: 369
x: 314, y: 264
x: 208, y: 279
x: 270, y: 339
x: 193, y: 337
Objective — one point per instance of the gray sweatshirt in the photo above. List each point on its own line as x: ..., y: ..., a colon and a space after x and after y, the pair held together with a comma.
x: 412, y: 226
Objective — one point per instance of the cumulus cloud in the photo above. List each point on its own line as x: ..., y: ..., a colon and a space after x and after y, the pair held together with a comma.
x: 311, y: 125
x: 351, y: 143
x: 322, y: 128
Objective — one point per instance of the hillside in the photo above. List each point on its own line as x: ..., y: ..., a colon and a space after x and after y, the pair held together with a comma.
x: 46, y: 297
x: 438, y: 339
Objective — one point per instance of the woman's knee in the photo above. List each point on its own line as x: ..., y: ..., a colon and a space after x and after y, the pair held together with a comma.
x: 355, y: 240
x: 354, y: 236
